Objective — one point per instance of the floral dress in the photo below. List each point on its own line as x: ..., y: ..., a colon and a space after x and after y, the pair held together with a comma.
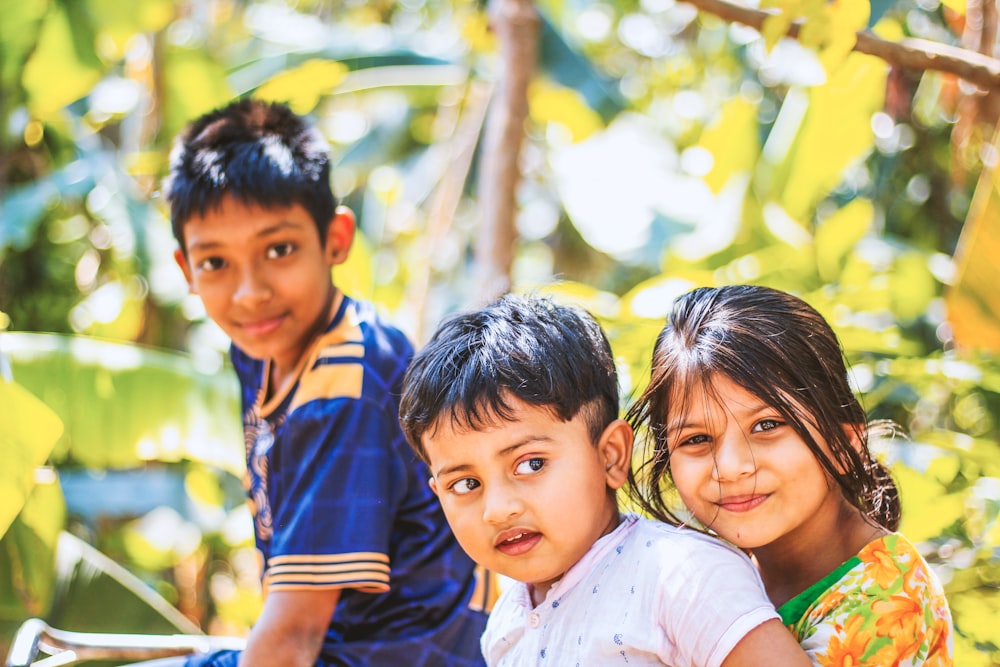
x: 883, y: 607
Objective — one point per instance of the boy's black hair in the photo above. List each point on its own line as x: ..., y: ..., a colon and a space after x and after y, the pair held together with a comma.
x: 257, y: 152
x: 780, y: 349
x: 529, y: 348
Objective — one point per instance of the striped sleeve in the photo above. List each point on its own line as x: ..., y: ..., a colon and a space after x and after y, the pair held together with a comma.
x: 364, y: 571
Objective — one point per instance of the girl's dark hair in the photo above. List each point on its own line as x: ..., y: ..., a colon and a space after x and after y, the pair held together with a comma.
x: 258, y: 152
x: 777, y: 347
x: 518, y: 347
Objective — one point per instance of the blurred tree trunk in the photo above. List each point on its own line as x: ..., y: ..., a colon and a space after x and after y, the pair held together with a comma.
x: 978, y: 108
x: 517, y: 26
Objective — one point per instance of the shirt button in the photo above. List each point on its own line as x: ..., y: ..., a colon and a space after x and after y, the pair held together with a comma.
x: 534, y: 620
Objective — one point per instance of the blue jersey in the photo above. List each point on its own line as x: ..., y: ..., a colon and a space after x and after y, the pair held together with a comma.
x: 341, y: 501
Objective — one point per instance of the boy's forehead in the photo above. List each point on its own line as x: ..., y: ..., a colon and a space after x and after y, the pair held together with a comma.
x: 461, y: 438
x: 255, y: 218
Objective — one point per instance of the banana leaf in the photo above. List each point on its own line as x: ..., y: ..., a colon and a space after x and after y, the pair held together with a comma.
x: 28, y: 432
x: 123, y: 405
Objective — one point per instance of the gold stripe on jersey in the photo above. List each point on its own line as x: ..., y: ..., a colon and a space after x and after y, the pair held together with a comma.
x: 320, y: 379
x: 366, y: 571
x: 298, y: 585
x: 343, y: 351
x: 303, y: 559
x: 329, y: 381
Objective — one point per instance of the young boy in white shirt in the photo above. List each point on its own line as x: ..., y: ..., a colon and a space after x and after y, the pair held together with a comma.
x: 515, y: 409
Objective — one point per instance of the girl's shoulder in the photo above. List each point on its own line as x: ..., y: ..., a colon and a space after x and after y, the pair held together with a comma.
x: 888, y: 567
x: 893, y: 564
x: 888, y: 592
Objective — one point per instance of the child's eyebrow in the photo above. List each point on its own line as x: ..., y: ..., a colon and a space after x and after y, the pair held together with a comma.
x: 462, y: 467
x: 677, y: 426
x: 205, y: 246
x: 277, y: 227
x: 447, y: 470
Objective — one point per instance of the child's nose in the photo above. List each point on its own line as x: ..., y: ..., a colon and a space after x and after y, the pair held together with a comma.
x: 734, y: 458
x: 500, y: 504
x: 252, y: 287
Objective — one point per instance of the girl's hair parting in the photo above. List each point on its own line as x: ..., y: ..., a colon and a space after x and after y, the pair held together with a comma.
x: 777, y: 347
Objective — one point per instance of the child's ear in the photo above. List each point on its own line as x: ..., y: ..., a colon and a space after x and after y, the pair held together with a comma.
x: 185, y: 268
x: 340, y: 235
x: 856, y: 439
x: 615, y: 447
x: 856, y: 436
x: 431, y: 482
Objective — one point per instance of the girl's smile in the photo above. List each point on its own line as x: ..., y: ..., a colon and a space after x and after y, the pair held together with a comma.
x: 744, y: 503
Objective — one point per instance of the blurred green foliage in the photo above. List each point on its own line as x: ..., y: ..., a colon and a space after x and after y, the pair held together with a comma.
x: 665, y: 150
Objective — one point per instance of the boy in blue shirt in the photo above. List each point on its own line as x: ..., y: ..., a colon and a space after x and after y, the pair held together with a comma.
x: 360, y: 567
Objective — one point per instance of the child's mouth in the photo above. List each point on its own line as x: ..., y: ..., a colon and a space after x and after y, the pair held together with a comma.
x: 517, y: 543
x: 741, y: 503
x: 262, y: 327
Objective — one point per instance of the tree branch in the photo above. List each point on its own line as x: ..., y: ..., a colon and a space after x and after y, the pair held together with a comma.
x: 911, y: 53
x: 516, y: 24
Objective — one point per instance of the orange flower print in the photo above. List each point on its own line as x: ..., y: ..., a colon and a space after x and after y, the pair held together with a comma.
x: 880, y: 564
x: 887, y: 656
x: 937, y: 654
x: 915, y: 581
x: 901, y: 618
x: 830, y: 602
x: 848, y: 649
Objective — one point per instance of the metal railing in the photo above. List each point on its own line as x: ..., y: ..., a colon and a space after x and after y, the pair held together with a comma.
x: 62, y: 647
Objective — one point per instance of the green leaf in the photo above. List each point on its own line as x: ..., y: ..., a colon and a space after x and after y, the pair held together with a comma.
x: 301, y: 87
x: 194, y: 84
x: 568, y: 67
x: 122, y: 21
x: 95, y: 594
x: 28, y: 432
x: 976, y: 613
x: 63, y: 67
x: 837, y: 235
x: 551, y: 103
x: 356, y: 276
x: 27, y: 552
x: 123, y: 404
x: 927, y: 508
x: 19, y: 30
x: 913, y: 286
x: 25, y: 206
x: 973, y: 300
x: 835, y: 133
x: 732, y: 141
x: 591, y: 299
x: 774, y: 28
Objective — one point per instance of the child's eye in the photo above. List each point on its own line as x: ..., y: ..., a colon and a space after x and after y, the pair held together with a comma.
x: 280, y: 250
x: 529, y: 466
x: 694, y: 440
x: 210, y: 264
x: 464, y: 486
x: 767, y: 425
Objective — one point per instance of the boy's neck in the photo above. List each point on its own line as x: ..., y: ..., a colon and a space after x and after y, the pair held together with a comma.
x: 537, y: 594
x: 280, y: 379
